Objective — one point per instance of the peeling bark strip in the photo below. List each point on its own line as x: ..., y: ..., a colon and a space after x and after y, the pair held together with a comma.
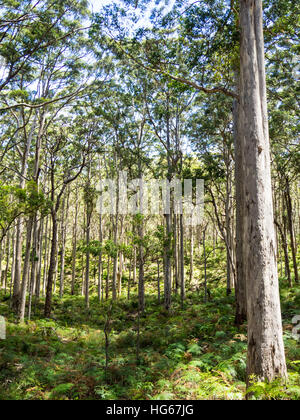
x: 266, y: 359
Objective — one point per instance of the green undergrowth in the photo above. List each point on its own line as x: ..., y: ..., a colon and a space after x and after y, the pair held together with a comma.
x: 194, y: 353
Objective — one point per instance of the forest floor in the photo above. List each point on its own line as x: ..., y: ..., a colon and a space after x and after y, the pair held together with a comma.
x: 194, y: 353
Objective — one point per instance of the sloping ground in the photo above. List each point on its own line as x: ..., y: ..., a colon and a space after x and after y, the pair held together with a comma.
x: 196, y: 353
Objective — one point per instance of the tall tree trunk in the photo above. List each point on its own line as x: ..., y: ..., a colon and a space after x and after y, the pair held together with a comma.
x: 46, y: 257
x: 240, y: 281
x: 100, y: 258
x: 34, y: 260
x: 141, y: 269
x: 205, y: 263
x: 18, y: 262
x: 288, y: 202
x: 120, y: 271
x: 64, y: 222
x: 182, y: 279
x: 12, y: 263
x: 266, y: 359
x: 56, y: 264
x: 74, y: 247
x: 167, y: 264
x: 20, y: 222
x: 129, y: 281
x: 115, y: 265
x: 5, y: 274
x: 40, y: 256
x: 1, y: 256
x: 228, y: 223
x: 134, y: 266
x: 192, y: 254
x: 37, y: 224
x: 107, y: 278
x: 285, y: 251
x: 52, y: 265
x: 21, y: 309
x: 168, y: 219
x: 87, y: 264
x: 176, y: 254
x: 158, y: 282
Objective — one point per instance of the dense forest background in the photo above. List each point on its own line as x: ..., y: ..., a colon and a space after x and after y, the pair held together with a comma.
x: 143, y: 306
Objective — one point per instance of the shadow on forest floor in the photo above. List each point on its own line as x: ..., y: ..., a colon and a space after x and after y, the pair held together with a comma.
x: 195, y: 353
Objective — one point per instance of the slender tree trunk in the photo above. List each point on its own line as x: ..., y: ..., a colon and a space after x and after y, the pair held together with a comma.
x: 56, y: 264
x: 34, y: 261
x: 52, y: 264
x: 167, y: 265
x: 12, y: 262
x: 37, y: 224
x: 82, y: 276
x: 168, y: 220
x: 205, y: 274
x: 21, y: 310
x: 107, y: 279
x: 115, y: 265
x: 285, y: 251
x: 5, y: 274
x: 182, y: 279
x: 46, y: 257
x: 228, y: 224
x: 128, y: 285
x: 1, y: 256
x: 192, y: 254
x: 87, y: 265
x: 20, y: 223
x: 74, y: 248
x: 158, y: 282
x: 134, y: 266
x: 40, y: 256
x: 141, y: 270
x: 100, y: 259
x: 121, y: 259
x: 64, y: 222
x: 18, y: 262
x: 288, y: 201
x: 176, y: 254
